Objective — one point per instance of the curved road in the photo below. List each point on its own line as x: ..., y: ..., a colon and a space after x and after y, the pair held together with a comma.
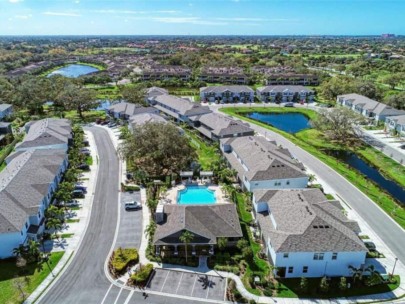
x: 388, y: 230
x: 84, y: 280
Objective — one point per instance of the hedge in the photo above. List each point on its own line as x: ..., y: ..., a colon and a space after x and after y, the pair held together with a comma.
x: 142, y: 275
x: 122, y: 258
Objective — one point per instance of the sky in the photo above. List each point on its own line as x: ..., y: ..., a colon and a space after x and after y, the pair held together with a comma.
x: 202, y: 17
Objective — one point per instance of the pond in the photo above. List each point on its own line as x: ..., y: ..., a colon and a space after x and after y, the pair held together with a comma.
x: 354, y: 161
x: 74, y: 70
x: 288, y: 122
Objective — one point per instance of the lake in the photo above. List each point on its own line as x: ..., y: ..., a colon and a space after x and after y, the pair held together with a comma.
x: 74, y: 70
x: 288, y: 122
x: 354, y: 161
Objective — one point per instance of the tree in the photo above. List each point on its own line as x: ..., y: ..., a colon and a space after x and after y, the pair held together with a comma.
x: 222, y: 242
x: 32, y: 92
x: 392, y: 80
x: 357, y: 273
x: 247, y: 253
x: 6, y: 90
x: 396, y: 100
x: 150, y: 229
x: 134, y: 94
x: 324, y: 285
x: 304, y: 284
x: 242, y: 243
x: 343, y: 284
x: 157, y: 149
x: 32, y: 249
x: 54, y: 224
x: 54, y: 212
x: 20, y: 251
x: 339, y: 125
x: 186, y: 237
x: 75, y: 97
x: 64, y: 192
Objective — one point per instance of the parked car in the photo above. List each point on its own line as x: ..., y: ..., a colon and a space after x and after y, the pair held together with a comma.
x: 402, y: 147
x: 86, y: 153
x: 84, y: 167
x: 84, y: 150
x: 112, y: 124
x: 78, y: 194
x: 72, y: 203
x: 86, y: 143
x: 289, y: 104
x: 133, y: 206
x: 105, y: 122
x: 370, y: 246
x: 82, y: 188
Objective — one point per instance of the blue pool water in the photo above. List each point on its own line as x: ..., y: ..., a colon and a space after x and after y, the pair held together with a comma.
x: 196, y: 195
x: 74, y: 70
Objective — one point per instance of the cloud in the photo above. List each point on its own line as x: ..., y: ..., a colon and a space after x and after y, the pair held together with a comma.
x: 133, y: 12
x: 61, y: 14
x: 243, y: 19
x: 22, y: 16
x: 15, y: 1
x: 189, y: 20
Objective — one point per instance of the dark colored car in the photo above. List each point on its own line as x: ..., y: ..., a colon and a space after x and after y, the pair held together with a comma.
x: 81, y: 188
x: 84, y: 167
x: 289, y: 104
x: 78, y: 194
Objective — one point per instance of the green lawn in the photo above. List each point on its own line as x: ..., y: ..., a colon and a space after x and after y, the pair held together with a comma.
x: 89, y: 116
x: 34, y: 276
x: 313, y: 142
x: 207, y: 154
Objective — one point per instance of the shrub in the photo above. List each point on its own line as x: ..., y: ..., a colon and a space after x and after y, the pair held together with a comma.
x: 132, y: 188
x: 122, y: 258
x: 142, y: 275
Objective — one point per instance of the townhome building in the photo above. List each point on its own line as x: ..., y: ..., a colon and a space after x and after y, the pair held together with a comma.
x: 261, y: 164
x: 284, y: 93
x: 143, y: 118
x: 305, y: 235
x: 124, y: 110
x: 207, y: 223
x: 232, y: 75
x: 165, y: 72
x: 267, y: 70
x: 395, y: 125
x: 291, y: 79
x: 48, y: 133
x: 227, y: 94
x: 5, y: 110
x: 180, y: 109
x: 155, y: 91
x: 26, y: 187
x: 373, y: 110
x: 216, y: 126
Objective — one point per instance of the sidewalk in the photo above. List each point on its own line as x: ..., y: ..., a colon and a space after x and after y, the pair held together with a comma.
x: 70, y: 245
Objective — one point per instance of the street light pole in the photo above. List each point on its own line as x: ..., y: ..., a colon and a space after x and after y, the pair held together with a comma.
x: 395, y: 264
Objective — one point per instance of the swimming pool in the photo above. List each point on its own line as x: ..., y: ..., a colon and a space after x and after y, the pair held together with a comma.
x: 196, y: 195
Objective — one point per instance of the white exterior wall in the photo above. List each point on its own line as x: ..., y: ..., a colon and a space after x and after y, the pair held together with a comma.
x: 9, y: 241
x: 294, y: 183
x: 319, y: 268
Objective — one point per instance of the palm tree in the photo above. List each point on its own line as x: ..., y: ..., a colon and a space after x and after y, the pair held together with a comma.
x: 186, y: 237
x: 54, y: 212
x: 150, y: 229
x: 222, y: 242
x: 357, y: 273
x: 20, y: 251
x: 33, y: 251
x: 54, y: 224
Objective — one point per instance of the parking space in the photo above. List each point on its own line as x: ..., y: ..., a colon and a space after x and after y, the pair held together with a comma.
x: 130, y: 230
x: 188, y: 284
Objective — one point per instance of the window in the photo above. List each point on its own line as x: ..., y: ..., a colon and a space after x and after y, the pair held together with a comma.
x: 285, y: 255
x: 287, y: 183
x: 26, y: 225
x: 290, y: 269
x: 305, y: 269
x: 334, y: 256
x: 318, y: 256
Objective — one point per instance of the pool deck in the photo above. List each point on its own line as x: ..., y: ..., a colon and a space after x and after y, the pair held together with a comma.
x: 171, y: 194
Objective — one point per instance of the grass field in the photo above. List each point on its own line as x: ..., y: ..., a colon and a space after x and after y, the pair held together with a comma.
x: 313, y: 142
x: 9, y: 273
x: 207, y: 154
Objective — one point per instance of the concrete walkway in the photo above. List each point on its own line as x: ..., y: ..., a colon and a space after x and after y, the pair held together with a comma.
x: 70, y: 245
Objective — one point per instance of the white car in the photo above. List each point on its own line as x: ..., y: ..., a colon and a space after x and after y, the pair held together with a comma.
x: 133, y: 206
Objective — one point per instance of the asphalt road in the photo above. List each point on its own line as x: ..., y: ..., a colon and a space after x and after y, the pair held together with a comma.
x: 84, y: 280
x: 390, y: 232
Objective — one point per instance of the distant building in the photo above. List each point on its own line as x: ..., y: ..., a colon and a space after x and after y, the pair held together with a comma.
x: 233, y: 75
x: 369, y: 108
x: 141, y: 119
x: 165, y: 72
x: 292, y: 79
x: 124, y: 110
x: 261, y: 164
x: 227, y: 94
x: 396, y: 125
x: 27, y: 184
x: 305, y: 235
x: 155, y: 91
x: 285, y: 93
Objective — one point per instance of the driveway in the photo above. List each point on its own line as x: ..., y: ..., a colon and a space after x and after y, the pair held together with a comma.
x: 130, y: 228
x: 188, y: 284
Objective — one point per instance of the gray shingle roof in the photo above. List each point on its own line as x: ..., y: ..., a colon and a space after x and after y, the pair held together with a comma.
x: 183, y: 106
x: 156, y: 91
x: 282, y: 88
x: 231, y: 88
x: 24, y: 183
x: 140, y: 119
x: 45, y: 132
x: 221, y: 125
x: 206, y: 222
x: 263, y: 158
x: 306, y: 222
